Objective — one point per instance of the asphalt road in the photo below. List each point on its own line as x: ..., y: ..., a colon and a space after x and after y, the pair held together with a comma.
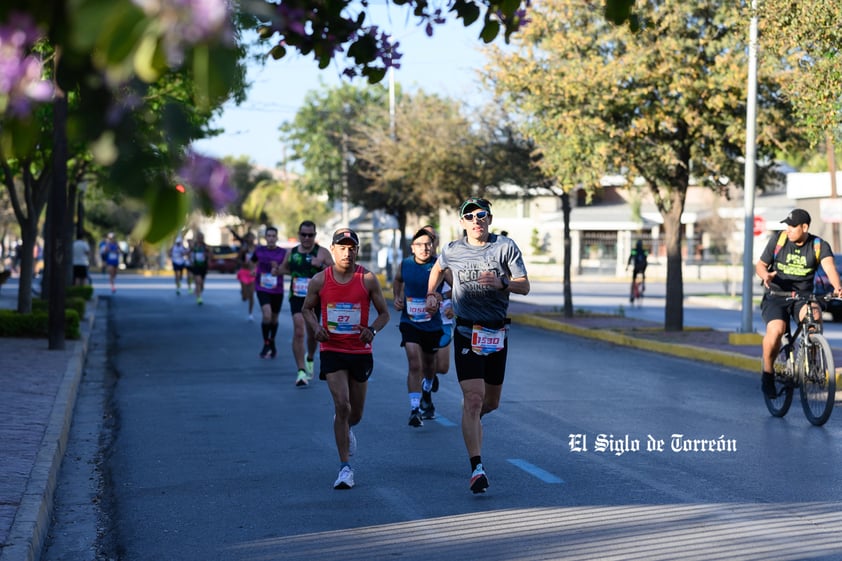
x: 217, y: 456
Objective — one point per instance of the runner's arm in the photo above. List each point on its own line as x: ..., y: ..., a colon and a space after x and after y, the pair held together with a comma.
x: 379, y: 302
x: 397, y: 288
x: 311, y: 304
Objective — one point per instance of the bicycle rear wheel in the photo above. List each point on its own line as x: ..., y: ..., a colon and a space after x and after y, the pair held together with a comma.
x: 784, y: 384
x: 818, y: 380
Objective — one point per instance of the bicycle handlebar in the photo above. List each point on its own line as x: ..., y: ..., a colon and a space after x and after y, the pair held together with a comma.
x: 793, y: 295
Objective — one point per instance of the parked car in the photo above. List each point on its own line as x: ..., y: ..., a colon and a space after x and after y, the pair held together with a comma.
x: 223, y: 259
x: 821, y: 285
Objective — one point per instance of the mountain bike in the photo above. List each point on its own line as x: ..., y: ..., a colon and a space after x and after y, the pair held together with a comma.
x: 805, y: 360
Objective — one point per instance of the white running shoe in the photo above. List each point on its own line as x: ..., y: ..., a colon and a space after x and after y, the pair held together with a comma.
x: 301, y: 379
x: 345, y: 479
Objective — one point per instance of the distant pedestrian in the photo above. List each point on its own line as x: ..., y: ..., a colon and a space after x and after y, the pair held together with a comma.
x: 110, y: 254
x: 81, y: 260
x: 337, y: 310
x: 246, y: 272
x: 178, y: 254
x: 639, y: 259
x: 302, y: 263
x: 270, y: 288
x: 199, y: 259
x: 421, y: 331
x: 486, y: 268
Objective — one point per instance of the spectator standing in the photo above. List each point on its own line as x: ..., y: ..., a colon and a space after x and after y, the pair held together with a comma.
x: 81, y: 260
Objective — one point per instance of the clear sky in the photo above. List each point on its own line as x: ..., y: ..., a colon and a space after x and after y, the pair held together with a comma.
x: 445, y: 63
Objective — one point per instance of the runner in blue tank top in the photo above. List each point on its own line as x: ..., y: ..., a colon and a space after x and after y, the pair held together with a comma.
x: 421, y: 330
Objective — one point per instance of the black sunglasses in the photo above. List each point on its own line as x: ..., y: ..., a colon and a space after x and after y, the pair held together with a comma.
x: 307, y: 234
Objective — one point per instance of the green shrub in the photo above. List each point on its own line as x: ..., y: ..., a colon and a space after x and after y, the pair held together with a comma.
x: 85, y: 292
x: 13, y: 324
x: 70, y: 303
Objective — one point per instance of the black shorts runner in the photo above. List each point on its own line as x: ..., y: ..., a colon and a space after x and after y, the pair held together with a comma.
x: 359, y: 367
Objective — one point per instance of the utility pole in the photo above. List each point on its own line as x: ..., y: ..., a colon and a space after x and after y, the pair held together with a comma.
x: 749, y: 185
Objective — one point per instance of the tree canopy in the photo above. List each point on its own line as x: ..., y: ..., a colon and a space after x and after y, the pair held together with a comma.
x: 807, y: 36
x: 664, y: 106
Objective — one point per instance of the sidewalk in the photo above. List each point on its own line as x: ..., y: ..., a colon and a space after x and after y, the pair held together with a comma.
x: 38, y: 392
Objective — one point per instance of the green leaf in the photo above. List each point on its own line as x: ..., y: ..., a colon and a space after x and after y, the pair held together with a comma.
x: 120, y: 33
x: 145, y: 59
x: 214, y: 74
x: 167, y: 209
x: 374, y: 75
x: 618, y: 11
x: 468, y: 12
x: 278, y: 52
x: 490, y: 31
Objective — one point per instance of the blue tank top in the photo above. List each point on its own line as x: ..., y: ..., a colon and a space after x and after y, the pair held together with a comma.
x: 415, y: 279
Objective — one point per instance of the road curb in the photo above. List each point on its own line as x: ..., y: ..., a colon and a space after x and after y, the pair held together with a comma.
x: 34, y: 515
x: 732, y: 360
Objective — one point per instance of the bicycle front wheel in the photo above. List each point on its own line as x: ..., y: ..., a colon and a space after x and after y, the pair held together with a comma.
x: 784, y: 384
x: 818, y: 380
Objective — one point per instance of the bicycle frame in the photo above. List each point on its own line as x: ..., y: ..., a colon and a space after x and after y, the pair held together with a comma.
x: 805, y: 360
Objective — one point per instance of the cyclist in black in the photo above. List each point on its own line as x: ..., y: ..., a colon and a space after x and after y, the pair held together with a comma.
x: 638, y: 258
x: 788, y: 264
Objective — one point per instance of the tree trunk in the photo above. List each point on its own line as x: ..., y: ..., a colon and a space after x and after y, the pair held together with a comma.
x: 674, y: 310
x: 568, y: 290
x: 55, y: 240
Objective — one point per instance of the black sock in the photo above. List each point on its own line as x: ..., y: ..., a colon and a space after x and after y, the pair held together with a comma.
x: 273, y: 330
x: 475, y: 461
x: 265, y: 328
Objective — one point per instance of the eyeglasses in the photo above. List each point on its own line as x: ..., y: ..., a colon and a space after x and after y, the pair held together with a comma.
x: 423, y: 244
x: 307, y: 234
x: 480, y: 215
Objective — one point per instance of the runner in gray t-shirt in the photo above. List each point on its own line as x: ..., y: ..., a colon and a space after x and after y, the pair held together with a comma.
x: 486, y: 268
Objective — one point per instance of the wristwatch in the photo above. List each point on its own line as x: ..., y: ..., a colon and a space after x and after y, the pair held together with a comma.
x: 373, y: 331
x: 505, y: 281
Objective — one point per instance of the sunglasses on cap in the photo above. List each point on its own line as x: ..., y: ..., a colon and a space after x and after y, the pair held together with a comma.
x: 479, y: 215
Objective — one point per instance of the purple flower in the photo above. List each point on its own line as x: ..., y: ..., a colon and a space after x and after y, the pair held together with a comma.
x: 210, y: 177
x: 189, y: 22
x: 20, y: 72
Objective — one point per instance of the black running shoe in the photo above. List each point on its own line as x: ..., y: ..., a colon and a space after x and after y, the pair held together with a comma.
x: 415, y: 418
x: 767, y: 382
x: 429, y: 413
x: 273, y: 352
x: 264, y: 353
x: 426, y: 400
x: 479, y: 480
